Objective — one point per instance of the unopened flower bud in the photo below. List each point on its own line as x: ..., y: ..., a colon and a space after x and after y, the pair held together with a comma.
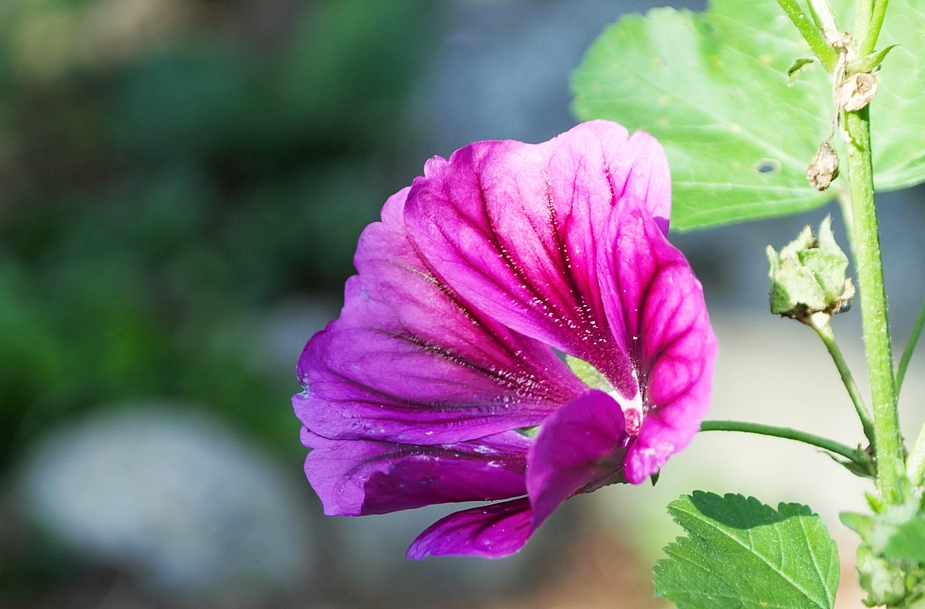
x: 884, y: 582
x: 808, y: 276
x: 823, y: 168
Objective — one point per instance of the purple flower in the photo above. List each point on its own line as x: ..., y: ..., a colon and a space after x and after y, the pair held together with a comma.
x: 440, y: 382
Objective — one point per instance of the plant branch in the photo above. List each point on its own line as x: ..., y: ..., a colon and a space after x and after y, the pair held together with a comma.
x: 813, y: 36
x: 910, y: 347
x: 783, y: 432
x: 874, y: 22
x: 887, y: 438
x: 915, y: 464
x: 823, y: 15
x: 824, y: 330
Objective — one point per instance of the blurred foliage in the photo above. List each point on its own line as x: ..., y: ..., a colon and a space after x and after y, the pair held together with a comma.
x: 168, y: 169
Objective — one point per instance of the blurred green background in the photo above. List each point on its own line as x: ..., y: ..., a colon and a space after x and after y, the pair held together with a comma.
x: 169, y: 169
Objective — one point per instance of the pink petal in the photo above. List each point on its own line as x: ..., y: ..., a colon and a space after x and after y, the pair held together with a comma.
x: 579, y: 448
x: 514, y: 229
x: 360, y: 477
x: 491, y: 531
x: 411, y: 361
x: 655, y: 306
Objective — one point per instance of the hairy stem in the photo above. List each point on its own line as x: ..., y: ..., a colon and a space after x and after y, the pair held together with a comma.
x: 822, y: 13
x: 822, y: 327
x: 910, y: 347
x: 915, y: 464
x: 783, y: 432
x: 823, y: 50
x: 874, y: 12
x: 887, y: 438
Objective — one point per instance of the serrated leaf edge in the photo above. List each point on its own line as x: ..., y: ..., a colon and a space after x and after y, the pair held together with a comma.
x: 673, y: 507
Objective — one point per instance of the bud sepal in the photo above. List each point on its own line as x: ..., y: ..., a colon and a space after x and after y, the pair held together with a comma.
x: 808, y: 276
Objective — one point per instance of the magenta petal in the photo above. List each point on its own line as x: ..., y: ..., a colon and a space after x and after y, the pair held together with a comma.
x: 514, y: 229
x: 655, y: 304
x: 580, y: 447
x: 358, y: 477
x: 410, y: 361
x: 491, y: 531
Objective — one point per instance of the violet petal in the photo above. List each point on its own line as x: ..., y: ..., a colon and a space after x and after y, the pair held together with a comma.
x: 580, y: 447
x: 514, y: 229
x: 410, y: 361
x: 360, y: 477
x: 490, y: 531
x: 656, y: 303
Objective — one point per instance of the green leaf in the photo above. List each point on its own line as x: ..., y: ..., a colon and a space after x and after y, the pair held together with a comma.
x: 713, y: 87
x: 871, y: 62
x: 743, y: 554
x: 897, y: 534
x: 796, y: 67
x: 896, y: 117
x: 908, y: 542
x: 891, y: 561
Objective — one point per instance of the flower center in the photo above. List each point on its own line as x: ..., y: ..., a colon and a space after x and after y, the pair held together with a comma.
x: 593, y: 378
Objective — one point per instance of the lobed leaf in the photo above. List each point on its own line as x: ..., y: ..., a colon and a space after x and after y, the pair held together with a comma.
x: 715, y: 89
x: 743, y: 554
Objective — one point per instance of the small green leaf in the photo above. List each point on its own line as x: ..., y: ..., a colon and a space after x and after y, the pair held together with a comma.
x: 883, y: 580
x: 796, y: 67
x: 862, y: 524
x: 871, y: 62
x: 742, y: 554
x: 891, y: 561
x: 713, y: 88
x: 908, y: 542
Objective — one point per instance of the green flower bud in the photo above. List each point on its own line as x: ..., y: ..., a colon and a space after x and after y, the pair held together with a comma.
x: 884, y: 582
x: 808, y: 276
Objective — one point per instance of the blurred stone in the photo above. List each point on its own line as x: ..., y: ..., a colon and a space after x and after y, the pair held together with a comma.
x: 372, y: 551
x: 280, y: 333
x: 177, y: 501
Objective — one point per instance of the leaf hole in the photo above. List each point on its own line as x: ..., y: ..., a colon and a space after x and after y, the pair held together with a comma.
x: 767, y: 166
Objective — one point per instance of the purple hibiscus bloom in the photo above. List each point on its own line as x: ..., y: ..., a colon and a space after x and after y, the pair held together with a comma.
x: 440, y: 382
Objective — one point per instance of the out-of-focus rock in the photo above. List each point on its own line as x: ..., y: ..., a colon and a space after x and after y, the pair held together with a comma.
x: 175, y: 500
x: 372, y: 551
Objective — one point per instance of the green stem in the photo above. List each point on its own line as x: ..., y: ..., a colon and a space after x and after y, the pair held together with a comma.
x: 824, y: 330
x: 823, y: 50
x: 873, y: 13
x: 823, y: 16
x: 844, y: 203
x: 887, y: 438
x: 915, y: 464
x: 863, y: 13
x: 910, y: 347
x: 782, y: 432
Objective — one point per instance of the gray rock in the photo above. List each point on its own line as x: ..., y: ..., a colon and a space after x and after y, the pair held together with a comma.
x: 371, y: 552
x: 174, y: 499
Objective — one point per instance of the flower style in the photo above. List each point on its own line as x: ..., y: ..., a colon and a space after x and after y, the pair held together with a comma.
x: 440, y: 382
